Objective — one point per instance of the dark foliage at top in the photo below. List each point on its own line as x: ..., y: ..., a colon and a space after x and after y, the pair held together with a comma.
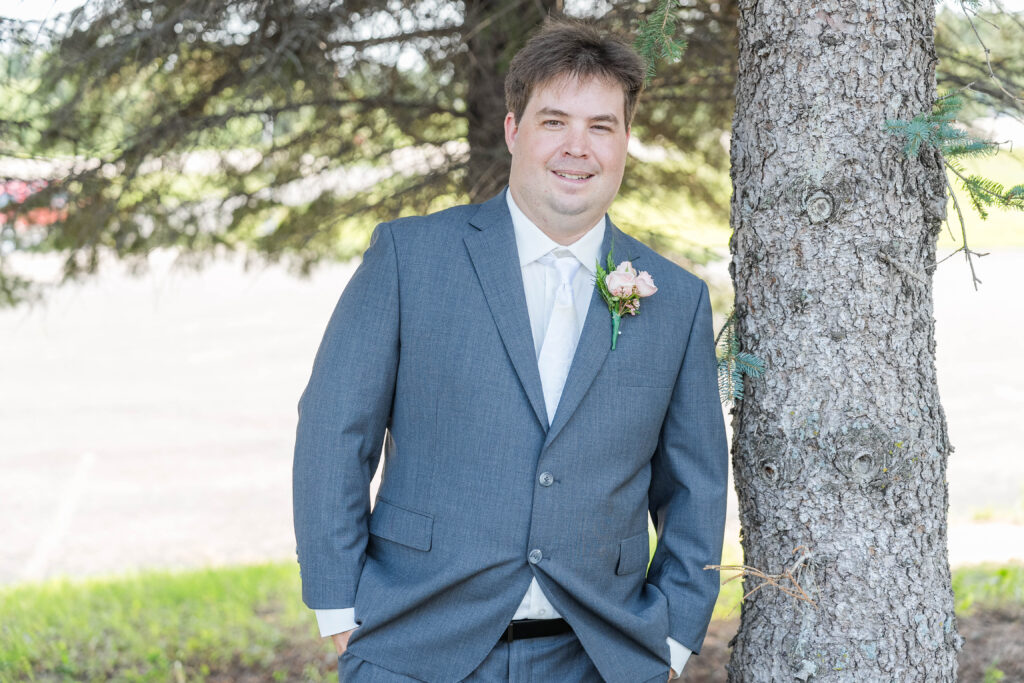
x: 288, y: 129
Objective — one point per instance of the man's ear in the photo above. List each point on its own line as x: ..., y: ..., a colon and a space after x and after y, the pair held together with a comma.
x: 629, y: 129
x: 511, y: 130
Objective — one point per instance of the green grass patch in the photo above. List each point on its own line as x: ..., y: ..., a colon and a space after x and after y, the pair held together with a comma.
x: 136, y: 628
x: 195, y: 625
x: 988, y: 586
x: 730, y: 598
x: 679, y: 219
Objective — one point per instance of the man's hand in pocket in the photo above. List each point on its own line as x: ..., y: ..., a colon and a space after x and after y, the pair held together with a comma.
x: 341, y: 641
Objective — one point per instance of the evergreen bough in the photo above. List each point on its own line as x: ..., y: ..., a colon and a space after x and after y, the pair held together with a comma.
x: 655, y: 39
x: 733, y: 364
x: 936, y: 131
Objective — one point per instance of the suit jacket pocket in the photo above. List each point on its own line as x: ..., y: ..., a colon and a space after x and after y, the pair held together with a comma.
x: 634, y: 554
x: 394, y: 523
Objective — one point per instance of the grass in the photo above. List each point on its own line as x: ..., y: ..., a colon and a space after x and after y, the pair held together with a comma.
x: 731, y: 595
x: 988, y: 586
x: 177, y: 626
x: 137, y: 628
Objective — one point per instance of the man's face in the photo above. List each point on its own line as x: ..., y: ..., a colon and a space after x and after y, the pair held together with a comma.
x: 568, y: 154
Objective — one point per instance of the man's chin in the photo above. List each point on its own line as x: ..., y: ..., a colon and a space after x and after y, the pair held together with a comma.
x: 572, y: 207
x: 570, y: 203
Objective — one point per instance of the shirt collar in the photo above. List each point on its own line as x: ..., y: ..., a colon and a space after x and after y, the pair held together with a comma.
x: 532, y: 243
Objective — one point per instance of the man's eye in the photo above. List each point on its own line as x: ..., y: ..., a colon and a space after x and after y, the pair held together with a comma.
x: 603, y: 129
x: 552, y: 123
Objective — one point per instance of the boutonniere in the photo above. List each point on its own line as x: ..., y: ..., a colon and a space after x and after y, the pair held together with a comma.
x: 622, y: 288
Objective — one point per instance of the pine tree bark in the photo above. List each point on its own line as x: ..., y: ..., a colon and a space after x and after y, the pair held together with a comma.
x: 840, y: 450
x: 495, y: 30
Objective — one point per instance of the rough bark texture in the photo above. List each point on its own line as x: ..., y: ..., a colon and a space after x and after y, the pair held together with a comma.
x: 840, y: 450
x: 497, y: 29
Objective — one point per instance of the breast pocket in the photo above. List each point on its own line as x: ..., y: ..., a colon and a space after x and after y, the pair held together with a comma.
x: 399, y: 525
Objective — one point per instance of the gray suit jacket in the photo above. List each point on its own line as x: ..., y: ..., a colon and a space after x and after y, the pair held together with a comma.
x: 430, y: 349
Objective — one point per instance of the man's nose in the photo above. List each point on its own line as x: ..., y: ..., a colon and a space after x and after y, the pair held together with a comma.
x: 577, y: 141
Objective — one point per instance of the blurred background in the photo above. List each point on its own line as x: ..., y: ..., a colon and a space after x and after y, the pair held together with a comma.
x: 184, y: 191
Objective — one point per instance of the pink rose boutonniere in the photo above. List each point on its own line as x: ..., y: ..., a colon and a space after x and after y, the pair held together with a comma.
x: 622, y: 288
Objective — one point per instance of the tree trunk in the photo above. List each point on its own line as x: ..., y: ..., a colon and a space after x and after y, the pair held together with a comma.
x: 840, y: 450
x: 495, y: 30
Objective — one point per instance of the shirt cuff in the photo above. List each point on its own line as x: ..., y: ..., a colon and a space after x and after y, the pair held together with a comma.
x: 332, y: 621
x: 678, y: 654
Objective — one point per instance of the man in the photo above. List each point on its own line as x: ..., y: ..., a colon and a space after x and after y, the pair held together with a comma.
x: 522, y: 454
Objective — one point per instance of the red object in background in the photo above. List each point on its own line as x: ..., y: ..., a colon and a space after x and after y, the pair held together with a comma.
x: 17, y: 192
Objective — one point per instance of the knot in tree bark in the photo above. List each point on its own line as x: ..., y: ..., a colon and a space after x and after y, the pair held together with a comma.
x: 819, y: 205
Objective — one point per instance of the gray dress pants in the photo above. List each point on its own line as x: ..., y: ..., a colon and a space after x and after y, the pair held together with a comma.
x: 552, y: 659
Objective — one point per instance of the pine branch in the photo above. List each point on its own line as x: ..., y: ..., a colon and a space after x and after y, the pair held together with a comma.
x: 935, y: 130
x: 985, y: 192
x: 733, y: 364
x: 656, y: 39
x: 973, y: 5
x: 963, y: 231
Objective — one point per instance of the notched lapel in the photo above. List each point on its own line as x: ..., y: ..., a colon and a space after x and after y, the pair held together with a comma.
x: 496, y: 262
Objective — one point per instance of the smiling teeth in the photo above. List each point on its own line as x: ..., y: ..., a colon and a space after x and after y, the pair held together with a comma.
x: 572, y: 176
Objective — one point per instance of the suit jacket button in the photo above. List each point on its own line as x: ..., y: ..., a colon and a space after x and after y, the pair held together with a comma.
x: 547, y: 479
x: 536, y: 556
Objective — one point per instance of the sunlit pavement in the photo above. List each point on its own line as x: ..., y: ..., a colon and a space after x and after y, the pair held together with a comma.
x: 149, y: 422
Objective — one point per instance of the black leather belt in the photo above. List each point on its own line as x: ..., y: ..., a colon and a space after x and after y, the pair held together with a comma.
x: 534, y: 628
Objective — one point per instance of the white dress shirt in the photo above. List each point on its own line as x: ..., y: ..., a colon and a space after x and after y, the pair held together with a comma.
x: 540, y: 284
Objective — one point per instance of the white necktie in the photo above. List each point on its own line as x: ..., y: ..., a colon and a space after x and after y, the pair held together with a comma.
x: 562, y: 335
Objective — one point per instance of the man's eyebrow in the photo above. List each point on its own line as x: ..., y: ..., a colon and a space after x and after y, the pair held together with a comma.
x: 548, y: 111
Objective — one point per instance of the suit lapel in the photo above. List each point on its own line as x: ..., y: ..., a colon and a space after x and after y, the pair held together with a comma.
x: 496, y: 261
x: 592, y: 349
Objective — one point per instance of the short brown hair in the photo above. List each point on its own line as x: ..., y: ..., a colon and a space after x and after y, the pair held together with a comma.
x: 572, y: 48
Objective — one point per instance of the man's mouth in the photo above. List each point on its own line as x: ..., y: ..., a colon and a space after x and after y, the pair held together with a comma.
x: 573, y: 176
